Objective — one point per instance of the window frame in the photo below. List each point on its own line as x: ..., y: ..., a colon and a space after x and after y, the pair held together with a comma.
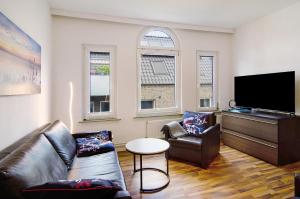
x: 142, y: 50
x: 215, y: 100
x: 87, y: 115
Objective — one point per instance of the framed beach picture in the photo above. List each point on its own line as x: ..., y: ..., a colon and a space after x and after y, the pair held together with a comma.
x: 20, y: 60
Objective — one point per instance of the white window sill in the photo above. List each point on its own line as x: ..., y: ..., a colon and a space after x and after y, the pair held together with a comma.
x: 99, y: 120
x: 208, y: 109
x: 156, y: 114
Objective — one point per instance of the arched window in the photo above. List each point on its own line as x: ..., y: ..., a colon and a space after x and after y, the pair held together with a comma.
x: 157, y: 38
x: 161, y: 38
x: 159, y: 72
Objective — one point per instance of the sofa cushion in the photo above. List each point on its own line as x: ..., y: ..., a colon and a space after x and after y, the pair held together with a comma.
x: 104, y: 166
x: 14, y: 146
x: 92, y: 145
x: 103, y: 136
x: 63, y: 142
x: 194, y: 129
x: 85, y: 188
x: 35, y: 162
x: 195, y: 123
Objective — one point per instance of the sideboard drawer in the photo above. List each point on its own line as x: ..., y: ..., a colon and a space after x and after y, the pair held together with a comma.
x: 262, y: 129
x: 266, y: 152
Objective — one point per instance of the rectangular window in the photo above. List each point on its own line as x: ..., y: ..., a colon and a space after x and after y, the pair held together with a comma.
x: 99, y: 76
x: 205, y: 102
x: 147, y: 104
x: 158, y: 83
x: 206, y: 80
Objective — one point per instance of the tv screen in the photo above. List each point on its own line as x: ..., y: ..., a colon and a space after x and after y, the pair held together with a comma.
x: 274, y: 91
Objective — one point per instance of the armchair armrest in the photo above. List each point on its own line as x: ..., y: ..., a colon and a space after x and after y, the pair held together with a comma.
x: 210, y: 144
x: 297, y: 185
x: 173, y: 130
x: 90, y: 133
x: 211, y: 130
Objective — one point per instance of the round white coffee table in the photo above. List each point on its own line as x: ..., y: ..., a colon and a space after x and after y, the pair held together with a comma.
x: 148, y: 146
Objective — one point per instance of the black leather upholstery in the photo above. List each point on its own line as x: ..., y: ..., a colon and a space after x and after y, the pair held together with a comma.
x: 105, y: 166
x: 200, y: 149
x: 38, y: 161
x: 188, y: 142
x: 34, y: 163
x: 6, y: 151
x: 297, y: 185
x: 63, y: 142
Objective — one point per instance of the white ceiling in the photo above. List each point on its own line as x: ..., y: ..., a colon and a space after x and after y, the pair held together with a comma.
x: 214, y: 13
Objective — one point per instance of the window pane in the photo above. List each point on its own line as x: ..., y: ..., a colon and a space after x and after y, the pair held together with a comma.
x: 157, y: 39
x: 205, y: 65
x: 147, y: 104
x: 99, y: 82
x: 157, y: 81
x: 205, y: 102
x: 159, y: 67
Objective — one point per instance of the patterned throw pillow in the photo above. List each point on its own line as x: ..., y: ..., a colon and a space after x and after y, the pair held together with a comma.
x: 103, y: 135
x: 85, y: 188
x: 93, y: 145
x: 195, y: 123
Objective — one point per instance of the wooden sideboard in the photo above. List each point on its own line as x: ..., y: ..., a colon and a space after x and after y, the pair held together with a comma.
x: 274, y: 138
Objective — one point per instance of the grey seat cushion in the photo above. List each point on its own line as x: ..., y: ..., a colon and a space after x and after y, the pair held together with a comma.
x: 105, y: 166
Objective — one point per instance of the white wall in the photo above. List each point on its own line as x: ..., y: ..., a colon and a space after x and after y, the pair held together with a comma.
x: 68, y: 36
x: 19, y: 115
x: 270, y: 44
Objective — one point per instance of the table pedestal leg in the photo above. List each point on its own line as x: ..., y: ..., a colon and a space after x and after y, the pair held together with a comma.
x: 134, y: 167
x: 167, y: 164
x: 141, y: 172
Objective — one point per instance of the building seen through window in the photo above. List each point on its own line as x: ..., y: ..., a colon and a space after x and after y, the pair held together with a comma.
x: 157, y: 71
x: 99, y: 82
x: 205, y: 89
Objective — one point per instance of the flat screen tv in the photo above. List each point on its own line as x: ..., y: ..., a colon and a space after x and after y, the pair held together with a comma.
x: 273, y: 91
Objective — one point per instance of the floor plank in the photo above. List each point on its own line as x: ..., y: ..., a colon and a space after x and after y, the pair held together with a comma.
x: 233, y: 174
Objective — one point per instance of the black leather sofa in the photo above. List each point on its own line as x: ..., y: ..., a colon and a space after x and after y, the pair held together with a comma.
x: 49, y: 154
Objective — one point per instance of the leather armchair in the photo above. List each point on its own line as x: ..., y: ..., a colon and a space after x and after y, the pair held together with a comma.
x: 200, y: 149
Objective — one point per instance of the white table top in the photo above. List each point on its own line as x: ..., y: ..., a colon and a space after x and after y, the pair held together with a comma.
x: 147, y: 146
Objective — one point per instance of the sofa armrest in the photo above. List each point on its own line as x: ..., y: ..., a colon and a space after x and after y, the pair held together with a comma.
x: 89, y: 133
x: 297, y: 185
x: 122, y: 195
x: 210, y: 144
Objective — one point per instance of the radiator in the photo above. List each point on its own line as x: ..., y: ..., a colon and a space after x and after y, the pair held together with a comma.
x: 153, y: 127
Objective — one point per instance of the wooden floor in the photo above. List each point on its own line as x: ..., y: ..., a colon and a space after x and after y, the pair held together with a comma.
x: 232, y: 175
